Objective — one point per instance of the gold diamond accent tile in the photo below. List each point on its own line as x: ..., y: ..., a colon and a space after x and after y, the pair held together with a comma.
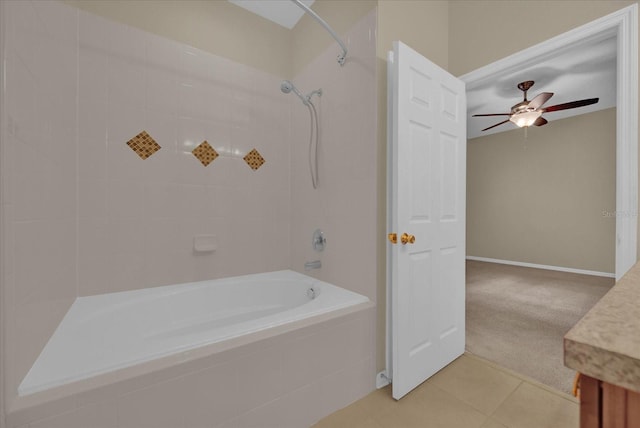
x: 205, y: 153
x: 254, y: 159
x: 143, y: 145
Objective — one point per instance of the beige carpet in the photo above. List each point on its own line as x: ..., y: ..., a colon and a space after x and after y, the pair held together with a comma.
x: 517, y: 317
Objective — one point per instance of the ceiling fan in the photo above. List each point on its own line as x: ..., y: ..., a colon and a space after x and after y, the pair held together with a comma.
x: 527, y: 113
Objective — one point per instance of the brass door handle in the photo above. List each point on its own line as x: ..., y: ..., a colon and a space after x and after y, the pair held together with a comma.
x: 393, y: 238
x: 407, y: 239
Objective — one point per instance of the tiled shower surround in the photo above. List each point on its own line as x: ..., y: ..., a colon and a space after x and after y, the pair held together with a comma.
x: 137, y: 219
x: 83, y: 214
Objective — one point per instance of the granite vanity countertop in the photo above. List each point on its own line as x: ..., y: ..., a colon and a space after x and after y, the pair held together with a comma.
x: 605, y: 344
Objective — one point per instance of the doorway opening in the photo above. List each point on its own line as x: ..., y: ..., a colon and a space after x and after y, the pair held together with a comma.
x: 621, y: 25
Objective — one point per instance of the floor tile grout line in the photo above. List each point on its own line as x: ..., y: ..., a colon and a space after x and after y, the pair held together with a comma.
x: 505, y: 400
x: 487, y: 416
x: 441, y: 391
x: 475, y: 407
x: 499, y: 370
x: 460, y: 400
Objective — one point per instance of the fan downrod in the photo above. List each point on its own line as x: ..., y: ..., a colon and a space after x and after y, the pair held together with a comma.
x: 524, y: 87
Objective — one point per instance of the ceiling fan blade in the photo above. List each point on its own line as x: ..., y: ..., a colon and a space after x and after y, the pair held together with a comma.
x: 539, y: 100
x: 492, y: 114
x: 572, y: 104
x: 493, y: 126
x: 540, y: 121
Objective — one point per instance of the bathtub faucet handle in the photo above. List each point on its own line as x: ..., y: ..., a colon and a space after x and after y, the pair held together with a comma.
x: 318, y: 241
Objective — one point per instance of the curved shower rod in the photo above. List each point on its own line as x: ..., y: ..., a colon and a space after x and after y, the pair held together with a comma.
x: 326, y: 26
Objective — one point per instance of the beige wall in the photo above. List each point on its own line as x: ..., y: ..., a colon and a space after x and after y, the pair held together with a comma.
x: 423, y: 25
x: 540, y: 198
x: 481, y: 31
x: 475, y: 33
x: 218, y: 27
x: 309, y: 39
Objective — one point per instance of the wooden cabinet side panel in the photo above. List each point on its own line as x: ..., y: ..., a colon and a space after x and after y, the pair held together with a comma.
x: 589, y: 402
x: 614, y: 406
x: 633, y: 409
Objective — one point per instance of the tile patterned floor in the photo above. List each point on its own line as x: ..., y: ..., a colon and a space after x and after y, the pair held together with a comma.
x: 469, y: 393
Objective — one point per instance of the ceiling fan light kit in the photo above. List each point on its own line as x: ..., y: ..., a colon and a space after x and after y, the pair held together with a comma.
x: 526, y: 118
x: 529, y: 113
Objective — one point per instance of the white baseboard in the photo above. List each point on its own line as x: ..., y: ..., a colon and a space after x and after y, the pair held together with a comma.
x: 547, y: 267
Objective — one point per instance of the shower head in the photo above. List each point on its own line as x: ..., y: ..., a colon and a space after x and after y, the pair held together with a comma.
x: 286, y: 86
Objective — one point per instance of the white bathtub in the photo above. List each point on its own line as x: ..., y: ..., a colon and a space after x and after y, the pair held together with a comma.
x: 103, y: 333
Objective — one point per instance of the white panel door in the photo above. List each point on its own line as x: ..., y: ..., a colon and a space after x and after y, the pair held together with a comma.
x: 427, y: 183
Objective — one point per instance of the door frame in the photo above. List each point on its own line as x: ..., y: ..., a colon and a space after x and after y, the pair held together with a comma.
x: 624, y: 25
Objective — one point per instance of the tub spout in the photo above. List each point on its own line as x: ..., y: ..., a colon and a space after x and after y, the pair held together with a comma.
x: 316, y: 264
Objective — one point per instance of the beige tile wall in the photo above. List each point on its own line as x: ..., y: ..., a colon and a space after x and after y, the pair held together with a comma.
x: 344, y: 204
x: 83, y: 214
x: 138, y: 217
x: 39, y: 207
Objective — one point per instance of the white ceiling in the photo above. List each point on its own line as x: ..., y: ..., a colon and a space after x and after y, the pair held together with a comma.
x: 282, y: 12
x: 586, y: 71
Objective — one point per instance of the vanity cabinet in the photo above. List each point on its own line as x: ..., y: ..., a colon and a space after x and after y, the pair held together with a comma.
x: 603, y: 405
x: 605, y: 343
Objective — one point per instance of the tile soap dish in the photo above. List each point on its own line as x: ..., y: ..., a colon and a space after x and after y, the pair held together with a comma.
x: 205, y: 243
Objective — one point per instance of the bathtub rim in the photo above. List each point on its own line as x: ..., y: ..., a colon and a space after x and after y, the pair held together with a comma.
x: 64, y: 398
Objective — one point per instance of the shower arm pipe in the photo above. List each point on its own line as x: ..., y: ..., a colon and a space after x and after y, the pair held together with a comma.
x: 308, y: 10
